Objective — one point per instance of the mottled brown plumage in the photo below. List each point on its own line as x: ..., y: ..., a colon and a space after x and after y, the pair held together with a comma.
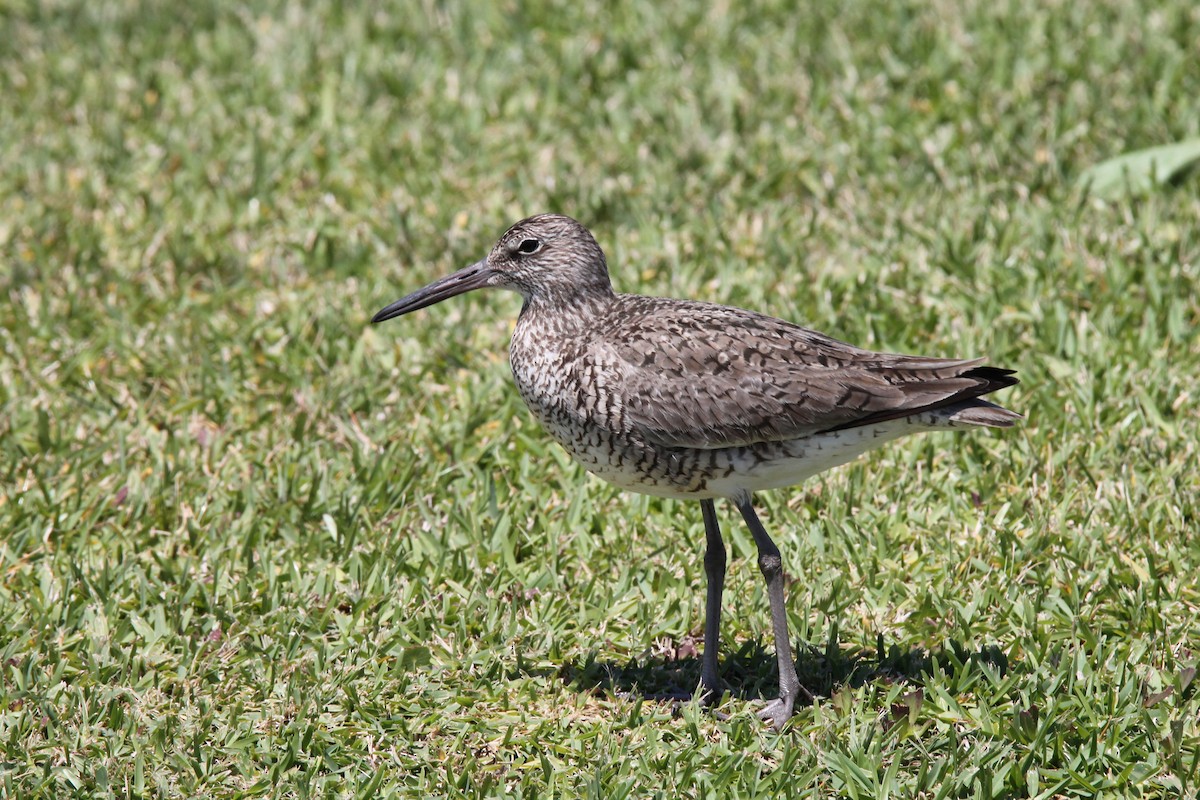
x: 695, y: 400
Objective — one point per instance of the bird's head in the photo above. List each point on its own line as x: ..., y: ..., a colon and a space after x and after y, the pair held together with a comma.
x: 547, y: 258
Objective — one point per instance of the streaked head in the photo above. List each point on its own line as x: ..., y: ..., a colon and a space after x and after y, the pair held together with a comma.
x: 549, y: 257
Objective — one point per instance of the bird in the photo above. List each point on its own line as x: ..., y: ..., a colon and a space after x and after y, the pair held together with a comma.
x: 698, y: 401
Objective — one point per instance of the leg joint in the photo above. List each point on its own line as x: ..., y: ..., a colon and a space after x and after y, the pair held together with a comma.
x: 714, y: 557
x: 770, y: 564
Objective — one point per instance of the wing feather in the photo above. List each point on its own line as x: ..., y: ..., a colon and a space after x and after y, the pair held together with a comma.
x: 705, y: 376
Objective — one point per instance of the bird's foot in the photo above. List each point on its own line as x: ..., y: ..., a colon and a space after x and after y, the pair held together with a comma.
x: 778, y: 711
x: 710, y: 698
x: 674, y: 696
x: 709, y: 694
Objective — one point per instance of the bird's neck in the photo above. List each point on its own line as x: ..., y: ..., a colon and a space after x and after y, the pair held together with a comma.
x: 568, y: 308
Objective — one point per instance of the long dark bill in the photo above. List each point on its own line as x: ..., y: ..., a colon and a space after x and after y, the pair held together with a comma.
x: 473, y: 277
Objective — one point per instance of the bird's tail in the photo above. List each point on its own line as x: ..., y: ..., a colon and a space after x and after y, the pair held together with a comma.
x: 977, y: 411
x: 981, y: 412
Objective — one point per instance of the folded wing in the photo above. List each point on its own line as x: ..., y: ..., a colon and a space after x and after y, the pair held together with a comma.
x: 704, y: 376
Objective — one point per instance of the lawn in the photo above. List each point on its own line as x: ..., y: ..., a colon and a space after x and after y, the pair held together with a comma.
x: 252, y: 546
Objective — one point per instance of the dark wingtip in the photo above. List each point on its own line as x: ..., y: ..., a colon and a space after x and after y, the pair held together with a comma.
x: 994, y: 378
x: 988, y: 380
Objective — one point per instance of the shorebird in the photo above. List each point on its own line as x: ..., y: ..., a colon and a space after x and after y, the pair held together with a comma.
x: 694, y: 400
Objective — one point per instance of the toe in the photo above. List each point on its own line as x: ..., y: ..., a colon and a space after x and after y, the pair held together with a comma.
x: 777, y: 712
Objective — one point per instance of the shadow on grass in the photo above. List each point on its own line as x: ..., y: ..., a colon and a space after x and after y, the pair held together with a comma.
x: 752, y: 673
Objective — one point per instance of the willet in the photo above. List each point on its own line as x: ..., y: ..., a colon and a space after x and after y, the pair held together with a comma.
x: 694, y: 400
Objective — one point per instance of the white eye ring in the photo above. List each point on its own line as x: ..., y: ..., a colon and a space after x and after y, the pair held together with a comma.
x: 528, y: 247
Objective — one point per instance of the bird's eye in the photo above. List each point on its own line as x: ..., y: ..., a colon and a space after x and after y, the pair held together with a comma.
x: 529, y: 246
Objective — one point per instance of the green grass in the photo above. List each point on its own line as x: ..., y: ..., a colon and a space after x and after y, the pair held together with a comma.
x: 252, y: 546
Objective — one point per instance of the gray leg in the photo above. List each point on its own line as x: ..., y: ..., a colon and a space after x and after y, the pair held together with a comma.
x: 771, y: 564
x: 714, y: 568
